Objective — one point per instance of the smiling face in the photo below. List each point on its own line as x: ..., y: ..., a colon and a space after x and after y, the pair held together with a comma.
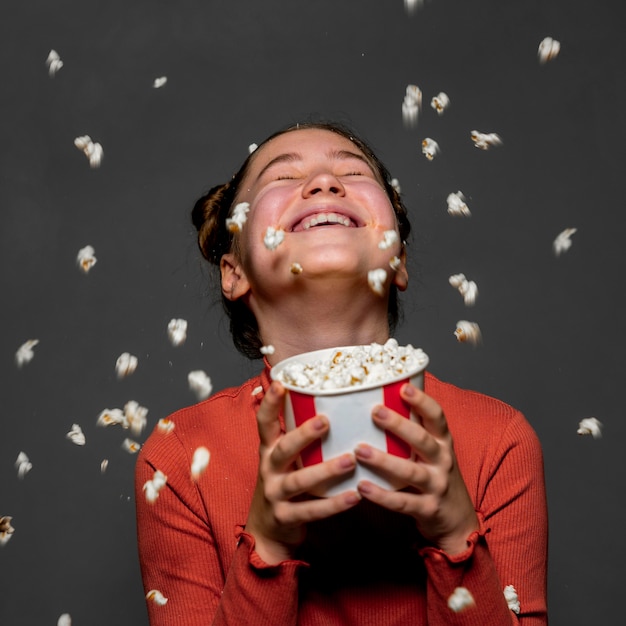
x: 327, y: 196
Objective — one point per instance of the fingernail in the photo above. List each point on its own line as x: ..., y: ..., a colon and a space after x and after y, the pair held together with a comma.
x: 319, y: 423
x: 408, y: 390
x: 381, y: 413
x: 363, y: 451
x: 353, y: 497
x: 346, y: 461
x: 364, y: 487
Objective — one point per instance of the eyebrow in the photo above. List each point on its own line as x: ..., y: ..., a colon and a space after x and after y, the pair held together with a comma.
x: 336, y: 155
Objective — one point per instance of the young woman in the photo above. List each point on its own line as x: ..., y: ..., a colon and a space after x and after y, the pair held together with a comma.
x: 243, y: 543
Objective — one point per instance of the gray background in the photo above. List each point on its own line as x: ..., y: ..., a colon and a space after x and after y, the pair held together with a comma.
x: 237, y: 70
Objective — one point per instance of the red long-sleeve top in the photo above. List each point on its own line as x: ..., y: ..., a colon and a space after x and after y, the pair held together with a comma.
x: 366, y: 566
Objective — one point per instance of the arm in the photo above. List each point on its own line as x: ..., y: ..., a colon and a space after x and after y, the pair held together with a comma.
x: 460, y: 551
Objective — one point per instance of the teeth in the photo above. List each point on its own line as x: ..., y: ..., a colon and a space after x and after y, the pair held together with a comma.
x: 325, y: 218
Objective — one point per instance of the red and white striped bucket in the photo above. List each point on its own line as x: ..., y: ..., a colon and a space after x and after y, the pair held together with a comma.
x: 349, y: 412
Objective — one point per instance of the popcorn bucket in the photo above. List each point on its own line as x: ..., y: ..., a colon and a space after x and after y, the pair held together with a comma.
x: 349, y: 412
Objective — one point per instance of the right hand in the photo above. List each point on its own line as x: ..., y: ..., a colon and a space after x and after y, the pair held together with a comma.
x: 279, y: 512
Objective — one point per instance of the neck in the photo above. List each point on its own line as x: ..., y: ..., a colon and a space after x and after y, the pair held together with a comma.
x: 325, y: 317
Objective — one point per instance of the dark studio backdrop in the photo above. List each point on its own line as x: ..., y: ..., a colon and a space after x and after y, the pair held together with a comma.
x: 553, y: 338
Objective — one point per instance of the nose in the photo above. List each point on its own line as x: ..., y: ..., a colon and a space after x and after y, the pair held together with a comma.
x: 323, y: 182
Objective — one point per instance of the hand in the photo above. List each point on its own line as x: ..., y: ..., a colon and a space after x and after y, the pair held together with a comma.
x: 436, y: 496
x: 279, y: 512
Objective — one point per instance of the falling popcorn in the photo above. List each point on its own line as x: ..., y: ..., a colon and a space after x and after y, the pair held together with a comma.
x: 53, y: 63
x: 200, y: 462
x: 376, y: 279
x: 159, y: 82
x: 467, y: 332
x: 125, y: 365
x: 389, y: 238
x: 510, y: 595
x: 23, y: 465
x: 152, y: 487
x: 548, y: 50
x: 93, y: 151
x: 440, y: 102
x: 269, y: 349
x: 394, y: 263
x: 411, y: 105
x: 104, y: 465
x: 76, y: 435
x: 273, y: 237
x: 86, y: 258
x: 467, y: 288
x: 257, y: 390
x: 239, y: 217
x: 460, y: 599
x: 252, y: 147
x: 200, y: 384
x: 395, y: 183
x: 563, y: 241
x: 484, y: 141
x: 430, y: 148
x: 110, y: 417
x: 154, y: 595
x: 131, y: 446
x: 457, y: 205
x: 64, y: 620
x: 590, y: 426
x: 25, y: 352
x: 135, y: 417
x: 412, y: 5
x: 296, y: 268
x: 6, y: 530
x: 177, y: 331
x: 165, y: 425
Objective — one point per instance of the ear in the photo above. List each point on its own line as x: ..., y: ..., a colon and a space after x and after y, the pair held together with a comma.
x: 401, y: 275
x: 234, y: 282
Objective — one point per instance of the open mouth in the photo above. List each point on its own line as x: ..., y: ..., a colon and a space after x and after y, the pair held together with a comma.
x: 324, y: 219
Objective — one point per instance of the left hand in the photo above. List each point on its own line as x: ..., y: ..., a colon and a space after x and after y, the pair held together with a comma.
x: 436, y: 495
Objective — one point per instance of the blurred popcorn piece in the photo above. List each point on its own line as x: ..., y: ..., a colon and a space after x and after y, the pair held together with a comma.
x: 103, y: 465
x: 269, y: 349
x: 24, y: 353
x: 460, y: 600
x: 152, y: 487
x: 563, y: 241
x: 430, y: 148
x: 131, y: 446
x: 296, y: 268
x: 135, y: 417
x: 76, y: 435
x: 590, y: 426
x: 6, y: 530
x: 376, y: 279
x: 484, y: 141
x: 510, y: 595
x: 412, y: 5
x: 53, y: 63
x: 440, y: 102
x: 110, y: 417
x: 467, y: 288
x: 200, y: 462
x: 159, y: 82
x: 154, y: 595
x: 273, y: 237
x: 93, y: 151
x: 394, y: 263
x: 411, y: 105
x: 177, y: 331
x: 64, y: 620
x: 86, y: 258
x: 257, y: 390
x: 252, y: 147
x: 548, y: 50
x: 125, y: 365
x: 23, y: 465
x: 200, y: 384
x: 457, y: 205
x: 389, y: 238
x: 468, y: 332
x: 395, y: 183
x: 238, y: 219
x: 165, y: 425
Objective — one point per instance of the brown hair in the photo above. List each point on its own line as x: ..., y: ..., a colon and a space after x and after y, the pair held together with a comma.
x: 211, y: 210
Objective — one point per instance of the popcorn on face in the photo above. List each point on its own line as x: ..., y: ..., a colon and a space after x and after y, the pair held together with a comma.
x: 177, y: 331
x: 484, y: 141
x: 238, y: 219
x: 390, y: 237
x: 269, y: 349
x: 376, y: 279
x: 563, y: 241
x: 548, y: 50
x: 273, y: 237
x: 296, y: 268
x: 24, y: 353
